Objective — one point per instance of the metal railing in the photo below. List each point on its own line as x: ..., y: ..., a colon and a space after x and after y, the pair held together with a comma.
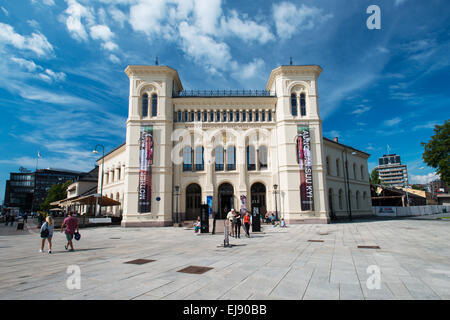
x: 223, y: 93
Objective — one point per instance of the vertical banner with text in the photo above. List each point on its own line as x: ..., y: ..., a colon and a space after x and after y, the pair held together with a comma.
x: 145, y: 169
x: 305, y: 163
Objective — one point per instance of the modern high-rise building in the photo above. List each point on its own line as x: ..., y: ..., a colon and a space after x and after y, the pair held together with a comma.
x: 27, y: 190
x: 392, y: 171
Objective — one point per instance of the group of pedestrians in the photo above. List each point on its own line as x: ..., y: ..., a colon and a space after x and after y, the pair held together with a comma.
x: 234, y: 222
x: 69, y: 226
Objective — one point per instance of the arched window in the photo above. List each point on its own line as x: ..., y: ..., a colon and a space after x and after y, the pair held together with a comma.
x: 354, y: 171
x: 192, y: 116
x: 302, y: 105
x: 340, y: 199
x: 180, y: 118
x: 154, y: 105
x: 328, y: 165
x: 250, y: 116
x: 224, y: 119
x: 145, y: 105
x: 211, y: 116
x: 244, y: 114
x: 256, y: 116
x: 205, y: 116
x: 237, y: 116
x: 231, y: 158
x: 263, y: 115
x: 219, y: 158
x: 199, y: 115
x: 262, y: 157
x: 337, y: 168
x: 199, y: 164
x: 357, y: 199
x: 364, y: 198
x: 362, y: 172
x: 230, y: 118
x: 217, y: 116
x: 251, y: 163
x: 294, y: 104
x: 186, y: 116
x: 187, y: 159
x: 269, y: 115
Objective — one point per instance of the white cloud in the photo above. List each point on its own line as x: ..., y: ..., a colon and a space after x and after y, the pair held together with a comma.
x: 37, y: 42
x: 428, y: 125
x: 101, y: 32
x: 33, y: 23
x: 289, y: 19
x: 118, y: 16
x: 392, y: 122
x: 38, y: 72
x: 46, y: 2
x: 75, y: 13
x: 248, y: 71
x: 204, y: 49
x: 399, y: 2
x: 361, y: 109
x: 147, y: 16
x: 247, y: 30
x: 109, y: 45
x: 207, y: 13
x: 5, y: 11
x: 114, y: 59
x: 423, y: 179
x: 27, y: 64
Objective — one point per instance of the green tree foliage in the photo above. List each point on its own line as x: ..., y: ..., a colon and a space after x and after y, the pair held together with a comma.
x: 375, y: 177
x: 416, y: 187
x: 56, y: 192
x: 437, y: 151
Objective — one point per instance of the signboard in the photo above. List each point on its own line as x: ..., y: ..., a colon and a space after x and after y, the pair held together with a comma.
x: 99, y: 220
x: 386, y: 211
x: 243, y: 205
x: 145, y: 169
x: 209, y: 202
x: 305, y: 163
x: 256, y: 218
x: 204, y: 218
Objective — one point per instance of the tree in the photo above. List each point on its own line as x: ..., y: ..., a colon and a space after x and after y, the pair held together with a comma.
x: 375, y: 177
x: 56, y: 192
x: 437, y: 151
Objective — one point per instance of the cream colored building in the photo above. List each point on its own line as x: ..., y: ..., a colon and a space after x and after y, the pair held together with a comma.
x: 229, y: 149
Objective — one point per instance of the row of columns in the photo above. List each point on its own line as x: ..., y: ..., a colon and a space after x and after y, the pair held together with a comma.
x: 257, y: 115
x: 114, y: 174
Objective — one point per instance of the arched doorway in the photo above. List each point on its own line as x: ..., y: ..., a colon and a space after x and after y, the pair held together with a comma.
x: 226, y: 199
x: 193, y: 201
x: 258, y: 196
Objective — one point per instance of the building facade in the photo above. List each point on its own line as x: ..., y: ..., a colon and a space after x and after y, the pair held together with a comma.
x: 228, y: 149
x: 27, y: 190
x: 392, y: 171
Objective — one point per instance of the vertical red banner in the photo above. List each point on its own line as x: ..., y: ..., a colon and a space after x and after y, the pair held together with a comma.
x: 145, y: 169
x: 305, y: 164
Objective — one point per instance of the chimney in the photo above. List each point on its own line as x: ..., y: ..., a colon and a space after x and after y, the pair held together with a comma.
x: 335, y: 139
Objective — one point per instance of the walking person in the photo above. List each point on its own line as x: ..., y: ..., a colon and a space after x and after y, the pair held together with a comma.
x: 6, y: 218
x: 47, y: 233
x: 237, y: 225
x: 11, y: 219
x: 71, y: 225
x: 231, y: 219
x: 247, y: 224
x: 25, y: 218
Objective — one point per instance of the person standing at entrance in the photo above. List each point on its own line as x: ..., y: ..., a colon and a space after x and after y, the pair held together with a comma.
x: 237, y: 225
x: 247, y: 224
x: 231, y: 218
x: 71, y: 224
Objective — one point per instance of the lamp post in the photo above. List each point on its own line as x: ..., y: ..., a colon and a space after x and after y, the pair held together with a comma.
x: 349, y: 204
x: 101, y: 183
x: 177, y: 218
x: 275, y: 186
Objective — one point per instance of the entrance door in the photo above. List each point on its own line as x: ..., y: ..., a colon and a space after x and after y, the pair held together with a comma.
x: 226, y: 199
x: 258, y: 196
x: 193, y: 201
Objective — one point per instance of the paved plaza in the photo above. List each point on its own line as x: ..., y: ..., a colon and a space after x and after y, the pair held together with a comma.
x: 413, y: 259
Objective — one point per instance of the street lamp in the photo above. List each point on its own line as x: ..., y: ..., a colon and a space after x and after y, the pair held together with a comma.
x: 177, y: 189
x: 103, y: 162
x: 275, y: 186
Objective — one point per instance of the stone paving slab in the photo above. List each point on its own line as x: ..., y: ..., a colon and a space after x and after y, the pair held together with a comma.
x: 413, y: 259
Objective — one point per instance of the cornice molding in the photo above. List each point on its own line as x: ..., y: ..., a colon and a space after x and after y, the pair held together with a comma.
x: 293, y: 70
x: 141, y: 70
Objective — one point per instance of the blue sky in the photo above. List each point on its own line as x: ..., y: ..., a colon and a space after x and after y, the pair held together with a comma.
x: 63, y: 89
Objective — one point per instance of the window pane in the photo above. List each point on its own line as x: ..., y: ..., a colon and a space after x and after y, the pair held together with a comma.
x: 154, y: 105
x: 294, y: 104
x: 145, y: 105
x: 302, y: 104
